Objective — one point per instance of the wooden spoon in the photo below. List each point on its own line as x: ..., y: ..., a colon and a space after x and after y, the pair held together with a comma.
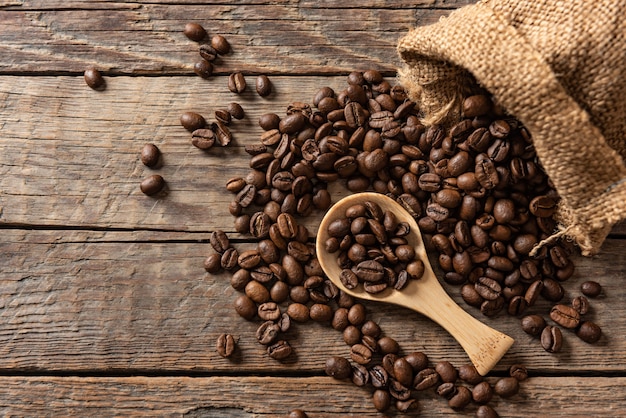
x: 484, y: 345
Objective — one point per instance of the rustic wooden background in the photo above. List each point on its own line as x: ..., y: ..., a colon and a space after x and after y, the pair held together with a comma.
x: 105, y: 308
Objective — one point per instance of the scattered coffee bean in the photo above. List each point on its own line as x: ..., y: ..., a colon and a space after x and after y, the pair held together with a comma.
x: 203, y: 139
x: 203, y: 68
x: 236, y: 82
x: 236, y: 110
x: 533, y: 324
x: 338, y: 367
x: 150, y: 155
x: 263, y: 85
x: 485, y: 411
x: 226, y: 345
x: 94, y: 78
x: 506, y: 387
x: 192, y: 121
x: 194, y: 31
x: 152, y: 185
x: 220, y: 44
x: 589, y: 332
x: 591, y: 289
x: 551, y: 339
x: 298, y: 413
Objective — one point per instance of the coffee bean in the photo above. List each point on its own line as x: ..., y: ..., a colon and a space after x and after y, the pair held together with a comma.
x: 219, y: 241
x: 461, y: 399
x: 279, y: 350
x: 213, y: 263
x: 150, y: 155
x: 469, y: 374
x: 220, y: 44
x: 506, y: 387
x: 360, y: 354
x: 152, y: 185
x: 519, y: 372
x: 236, y: 82
x: 589, y: 332
x: 591, y: 289
x: 551, y: 339
x: 297, y: 413
x: 263, y: 85
x: 485, y: 411
x: 207, y: 52
x: 94, y: 78
x: 203, y: 138
x: 580, y: 304
x: 381, y: 400
x: 533, y: 324
x: 565, y: 316
x: 477, y: 105
x: 194, y: 31
x: 192, y: 121
x: 226, y: 345
x: 447, y: 372
x: 245, y: 306
x: 425, y: 379
x: 203, y: 68
x: 482, y: 392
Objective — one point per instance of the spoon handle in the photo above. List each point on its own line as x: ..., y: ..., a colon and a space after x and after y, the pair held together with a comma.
x: 484, y: 345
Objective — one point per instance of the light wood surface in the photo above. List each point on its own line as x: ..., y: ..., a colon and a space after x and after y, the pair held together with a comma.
x: 105, y: 308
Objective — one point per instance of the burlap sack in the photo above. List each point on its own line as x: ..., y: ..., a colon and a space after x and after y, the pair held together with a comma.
x: 559, y: 66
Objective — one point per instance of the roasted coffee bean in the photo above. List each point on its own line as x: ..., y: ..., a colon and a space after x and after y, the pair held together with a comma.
x: 152, y: 185
x: 203, y: 138
x: 446, y: 390
x: 533, y: 324
x: 425, y: 379
x: 194, y: 31
x: 279, y: 350
x: 150, y: 155
x: 192, y: 121
x: 461, y: 399
x: 360, y: 354
x: 94, y: 79
x: 398, y: 391
x: 379, y: 377
x: 447, y: 371
x: 220, y: 44
x: 263, y: 85
x: 338, y: 367
x: 589, y: 332
x: 551, y: 339
x: 407, y: 405
x: 580, y: 304
x: 203, y: 68
x: 237, y: 83
x: 477, y: 105
x: 381, y: 400
x: 267, y: 332
x: 487, y: 288
x: 469, y: 374
x: 565, y: 316
x: 360, y: 375
x: 403, y: 371
x: 542, y: 206
x: 213, y: 263
x: 485, y: 411
x: 482, y: 392
x: 245, y: 306
x: 219, y: 241
x: 235, y: 110
x: 226, y: 345
x: 297, y: 413
x: 519, y: 372
x: 506, y: 387
x: 257, y: 292
x: 207, y: 52
x: 591, y: 289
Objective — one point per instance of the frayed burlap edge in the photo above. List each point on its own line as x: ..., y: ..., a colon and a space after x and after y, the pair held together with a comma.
x: 589, y: 175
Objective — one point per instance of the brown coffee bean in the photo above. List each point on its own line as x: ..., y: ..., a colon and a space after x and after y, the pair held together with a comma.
x: 426, y: 379
x: 461, y: 399
x: 203, y: 68
x: 150, y: 155
x: 565, y: 316
x: 297, y: 413
x: 591, y: 288
x: 237, y: 82
x: 194, y: 31
x: 533, y: 324
x: 152, y: 185
x: 338, y: 367
x: 551, y: 339
x: 245, y: 306
x: 482, y: 392
x: 519, y: 372
x: 192, y: 121
x: 207, y: 52
x: 219, y: 241
x: 360, y: 354
x: 469, y: 374
x: 267, y: 332
x: 506, y: 387
x: 477, y: 105
x: 94, y: 78
x: 279, y: 350
x: 589, y: 332
x: 213, y: 263
x: 226, y: 345
x: 580, y: 304
x: 485, y: 411
x: 381, y: 400
x: 220, y: 44
x: 447, y: 371
x: 263, y: 85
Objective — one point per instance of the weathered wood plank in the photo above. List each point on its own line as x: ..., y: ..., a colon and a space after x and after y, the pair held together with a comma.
x: 135, y: 38
x: 71, y: 304
x: 275, y: 397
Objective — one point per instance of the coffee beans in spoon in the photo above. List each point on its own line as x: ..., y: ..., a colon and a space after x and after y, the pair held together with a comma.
x: 373, y: 250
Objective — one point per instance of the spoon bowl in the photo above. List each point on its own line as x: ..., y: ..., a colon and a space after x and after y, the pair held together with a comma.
x: 484, y: 345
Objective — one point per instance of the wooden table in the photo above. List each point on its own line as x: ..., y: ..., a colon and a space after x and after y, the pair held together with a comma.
x: 105, y: 308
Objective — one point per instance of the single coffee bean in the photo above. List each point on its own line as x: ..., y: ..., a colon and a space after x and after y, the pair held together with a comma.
x: 297, y: 413
x: 533, y: 324
x: 226, y: 345
x: 263, y: 85
x: 219, y: 241
x: 236, y: 82
x: 360, y: 354
x: 150, y: 155
x: 192, y: 121
x: 220, y: 44
x: 381, y: 400
x: 506, y: 387
x: 482, y: 392
x: 469, y: 374
x: 477, y: 105
x: 589, y: 332
x: 235, y: 110
x: 551, y: 339
x: 565, y: 316
x: 447, y: 371
x: 542, y: 206
x: 279, y: 350
x: 338, y: 367
x: 267, y: 332
x: 203, y: 138
x: 581, y: 304
x: 360, y: 375
x: 379, y: 377
x: 519, y: 372
x: 194, y: 31
x: 425, y: 379
x: 213, y: 263
x: 591, y: 289
x: 245, y: 307
x: 94, y: 78
x: 461, y: 399
x: 446, y: 390
x: 403, y: 371
x: 485, y: 411
x: 152, y: 185
x: 203, y: 68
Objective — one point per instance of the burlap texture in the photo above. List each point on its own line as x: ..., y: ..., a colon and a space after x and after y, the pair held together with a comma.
x: 559, y: 67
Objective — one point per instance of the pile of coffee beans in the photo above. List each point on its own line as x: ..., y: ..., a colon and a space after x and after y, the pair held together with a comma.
x: 397, y: 380
x: 373, y: 250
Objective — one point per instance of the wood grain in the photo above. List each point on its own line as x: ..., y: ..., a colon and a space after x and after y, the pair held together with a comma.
x: 91, y: 301
x: 270, y: 37
x: 275, y: 397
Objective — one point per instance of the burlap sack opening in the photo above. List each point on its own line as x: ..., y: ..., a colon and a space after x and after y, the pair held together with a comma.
x: 558, y: 67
